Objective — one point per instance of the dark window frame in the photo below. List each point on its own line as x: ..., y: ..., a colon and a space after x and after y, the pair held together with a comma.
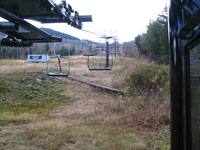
x: 190, y: 44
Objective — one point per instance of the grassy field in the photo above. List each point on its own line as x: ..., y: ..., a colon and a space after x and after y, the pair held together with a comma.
x: 44, y: 113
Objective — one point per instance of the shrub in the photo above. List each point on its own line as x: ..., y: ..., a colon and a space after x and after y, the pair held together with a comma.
x: 3, y: 86
x: 149, y: 77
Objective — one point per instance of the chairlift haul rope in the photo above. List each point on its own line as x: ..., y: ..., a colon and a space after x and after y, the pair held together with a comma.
x: 92, y: 32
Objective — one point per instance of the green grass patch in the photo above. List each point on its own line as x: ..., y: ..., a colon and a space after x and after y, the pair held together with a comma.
x: 3, y: 86
x: 13, y: 122
x: 118, y: 139
x: 115, y: 138
x: 24, y: 86
x: 131, y: 139
x: 88, y: 75
x: 51, y: 136
x: 33, y: 93
x: 39, y: 108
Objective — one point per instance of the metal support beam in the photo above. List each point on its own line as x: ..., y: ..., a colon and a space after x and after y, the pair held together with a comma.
x: 8, y: 26
x: 24, y: 24
x: 191, y: 24
x: 86, y: 18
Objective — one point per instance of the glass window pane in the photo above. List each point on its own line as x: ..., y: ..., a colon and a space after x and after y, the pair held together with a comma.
x: 195, y: 96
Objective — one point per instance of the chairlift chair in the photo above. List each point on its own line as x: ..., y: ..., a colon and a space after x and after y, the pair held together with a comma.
x: 62, y: 70
x: 106, y: 66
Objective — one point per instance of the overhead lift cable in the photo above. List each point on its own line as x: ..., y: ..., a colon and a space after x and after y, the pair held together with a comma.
x: 92, y: 32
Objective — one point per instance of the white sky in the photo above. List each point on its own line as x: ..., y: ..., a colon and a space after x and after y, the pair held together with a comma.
x: 124, y: 19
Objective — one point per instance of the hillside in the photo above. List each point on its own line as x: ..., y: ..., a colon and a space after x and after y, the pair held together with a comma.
x: 52, y: 32
x: 59, y: 34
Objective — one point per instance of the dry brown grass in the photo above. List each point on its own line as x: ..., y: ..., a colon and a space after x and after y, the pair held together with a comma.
x: 95, y: 120
x: 115, y: 78
x: 13, y: 66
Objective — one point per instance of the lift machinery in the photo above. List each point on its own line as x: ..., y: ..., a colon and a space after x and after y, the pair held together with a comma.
x: 21, y: 33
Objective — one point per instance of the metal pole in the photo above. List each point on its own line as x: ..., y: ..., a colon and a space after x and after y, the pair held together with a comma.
x: 76, y: 49
x: 1, y: 52
x: 69, y: 51
x: 54, y: 50
x: 107, y: 54
x: 20, y: 53
x: 84, y: 46
x: 115, y: 48
x: 59, y: 65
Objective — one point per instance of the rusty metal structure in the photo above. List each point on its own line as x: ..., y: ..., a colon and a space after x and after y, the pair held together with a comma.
x: 21, y: 33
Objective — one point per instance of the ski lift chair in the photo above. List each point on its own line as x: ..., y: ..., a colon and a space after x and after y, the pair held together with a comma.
x: 107, y: 66
x: 59, y: 71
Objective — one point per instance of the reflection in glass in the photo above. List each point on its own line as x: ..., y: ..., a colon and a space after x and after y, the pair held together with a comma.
x: 195, y: 96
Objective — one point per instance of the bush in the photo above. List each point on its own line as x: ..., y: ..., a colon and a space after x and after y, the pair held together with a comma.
x: 3, y: 86
x: 151, y: 77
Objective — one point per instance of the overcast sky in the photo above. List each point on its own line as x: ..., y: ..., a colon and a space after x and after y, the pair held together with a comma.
x: 122, y: 18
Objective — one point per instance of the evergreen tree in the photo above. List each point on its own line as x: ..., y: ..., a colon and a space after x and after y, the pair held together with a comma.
x: 155, y: 42
x: 139, y: 41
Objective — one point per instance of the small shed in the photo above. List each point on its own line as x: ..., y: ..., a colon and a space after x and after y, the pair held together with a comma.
x: 39, y: 58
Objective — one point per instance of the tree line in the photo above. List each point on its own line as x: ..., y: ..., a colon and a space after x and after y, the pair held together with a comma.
x: 154, y: 43
x: 13, y: 53
x: 21, y: 53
